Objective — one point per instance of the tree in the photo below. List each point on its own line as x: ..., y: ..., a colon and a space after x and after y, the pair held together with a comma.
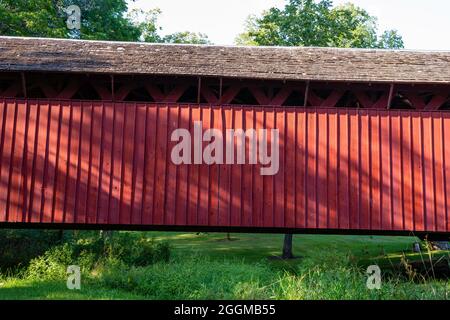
x: 187, y: 37
x: 147, y: 23
x: 36, y: 18
x: 311, y: 23
x: 100, y: 20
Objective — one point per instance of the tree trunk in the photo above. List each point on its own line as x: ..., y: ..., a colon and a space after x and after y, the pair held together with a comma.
x: 287, y: 247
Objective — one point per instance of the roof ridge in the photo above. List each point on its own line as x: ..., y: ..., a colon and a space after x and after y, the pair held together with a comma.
x: 224, y: 45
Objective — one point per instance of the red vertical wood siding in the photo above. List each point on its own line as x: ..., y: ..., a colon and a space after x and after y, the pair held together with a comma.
x: 109, y: 163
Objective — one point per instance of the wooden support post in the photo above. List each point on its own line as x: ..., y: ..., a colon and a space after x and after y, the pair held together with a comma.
x: 305, y: 103
x: 259, y: 95
x: 69, y: 91
x: 199, y: 90
x: 112, y: 88
x: 175, y: 94
x: 281, y: 96
x: 155, y: 92
x: 437, y: 101
x: 230, y: 94
x: 333, y: 98
x: 24, y: 84
x: 391, y: 95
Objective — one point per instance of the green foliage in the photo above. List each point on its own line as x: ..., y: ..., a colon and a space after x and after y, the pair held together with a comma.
x: 147, y: 23
x: 191, y: 278
x: 137, y: 251
x: 90, y: 252
x: 52, y: 264
x: 336, y: 278
x: 187, y: 37
x: 18, y: 247
x: 142, y: 265
x: 100, y: 20
x: 36, y: 18
x: 312, y: 23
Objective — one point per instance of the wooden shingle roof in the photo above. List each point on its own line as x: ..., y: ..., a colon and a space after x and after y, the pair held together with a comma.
x: 293, y: 63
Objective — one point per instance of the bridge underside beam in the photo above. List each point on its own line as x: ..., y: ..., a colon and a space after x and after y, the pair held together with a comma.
x: 168, y: 89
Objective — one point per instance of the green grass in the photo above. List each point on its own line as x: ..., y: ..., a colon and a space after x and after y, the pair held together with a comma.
x: 20, y: 289
x: 208, y: 266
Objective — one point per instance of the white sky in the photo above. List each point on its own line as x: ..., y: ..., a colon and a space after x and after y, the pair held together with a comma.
x: 424, y: 24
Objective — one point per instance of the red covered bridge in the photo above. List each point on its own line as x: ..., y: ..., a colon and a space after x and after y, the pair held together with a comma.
x: 86, y: 137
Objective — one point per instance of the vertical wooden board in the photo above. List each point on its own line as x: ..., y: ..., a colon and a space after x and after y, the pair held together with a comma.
x: 51, y: 162
x: 418, y: 178
x: 41, y: 161
x: 160, y: 174
x: 7, y: 153
x: 138, y: 166
x: 439, y: 182
x: 4, y: 110
x: 289, y: 168
x: 26, y: 165
x: 16, y: 186
x: 33, y: 208
x: 355, y: 145
x: 396, y: 145
x: 150, y: 164
x: 193, y: 186
x: 29, y: 163
x: 322, y: 169
x: 386, y: 207
x: 83, y: 162
x: 61, y: 169
x: 268, y: 181
x: 204, y: 173
x: 365, y: 171
x: 225, y: 173
x: 407, y: 171
x: 117, y: 172
x: 171, y: 177
x: 279, y: 187
x: 94, y: 163
x: 300, y: 170
x: 258, y: 179
x: 344, y: 170
x: 247, y: 173
x: 311, y: 178
x: 57, y: 116
x: 116, y: 164
x: 106, y: 161
x: 446, y: 147
x: 214, y: 173
x: 333, y: 138
x: 128, y: 156
x: 375, y: 171
x: 72, y: 172
x: 183, y: 172
x: 236, y: 173
x: 428, y: 155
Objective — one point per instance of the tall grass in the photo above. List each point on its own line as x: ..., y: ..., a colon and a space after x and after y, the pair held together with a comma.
x: 199, y: 278
x: 137, y: 266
